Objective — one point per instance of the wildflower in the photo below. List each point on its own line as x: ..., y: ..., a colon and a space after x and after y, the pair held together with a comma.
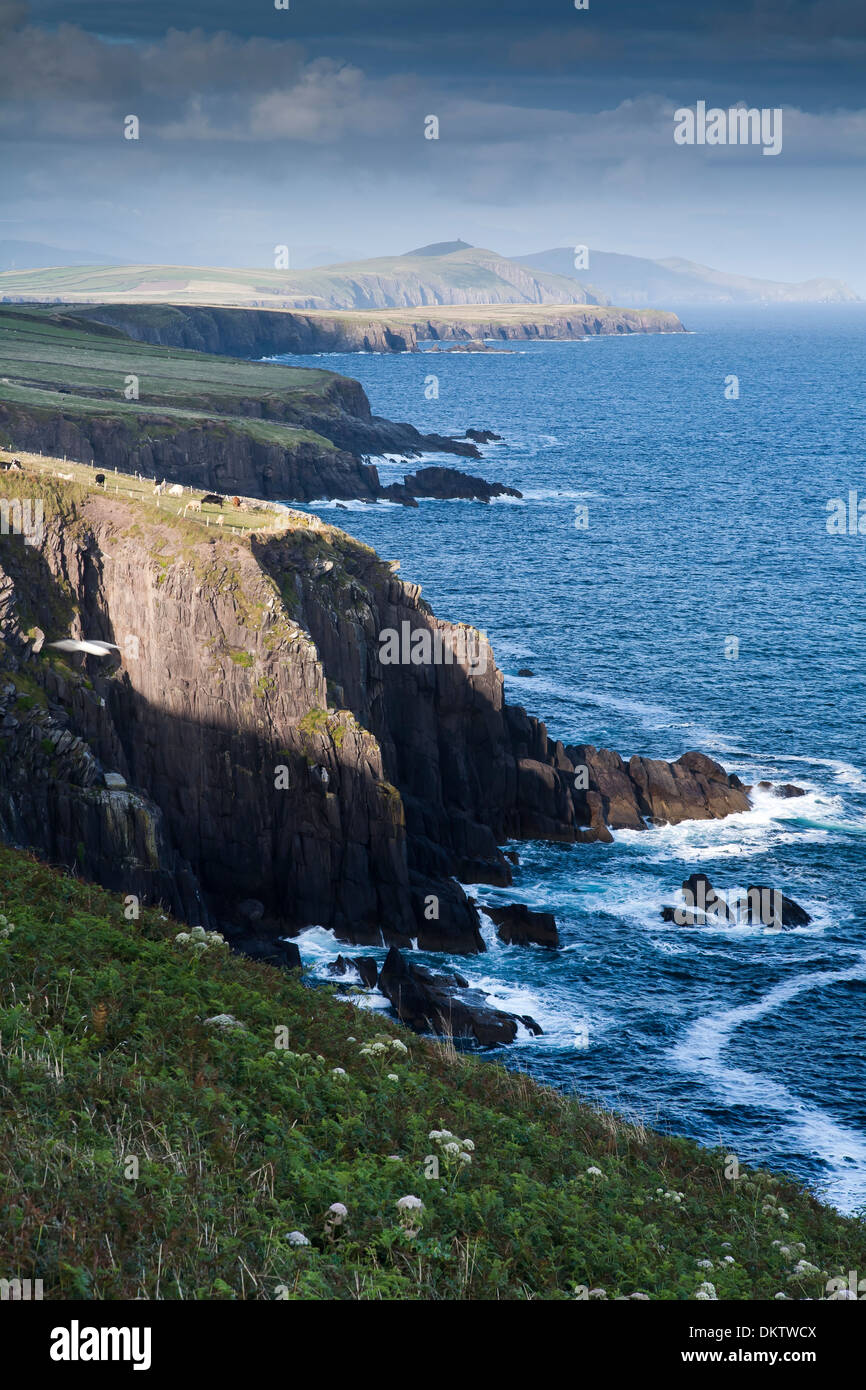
x: 351, y: 1040
x: 452, y: 1148
x: 182, y: 937
x: 706, y: 1291
x: 297, y: 1238
x: 465, y: 1158
x: 398, y: 1046
x: 704, y: 1264
x: 334, y: 1218
x: 594, y: 1173
x: 410, y: 1209
x: 338, y: 1071
x: 392, y: 1076
x: 728, y: 1260
x: 468, y: 1146
x: 802, y: 1269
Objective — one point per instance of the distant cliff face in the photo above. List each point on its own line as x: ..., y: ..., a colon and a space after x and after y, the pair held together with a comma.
x: 264, y: 333
x: 276, y: 746
x: 250, y: 332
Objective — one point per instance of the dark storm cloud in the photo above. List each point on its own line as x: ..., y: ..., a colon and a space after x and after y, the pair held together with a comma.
x: 252, y: 118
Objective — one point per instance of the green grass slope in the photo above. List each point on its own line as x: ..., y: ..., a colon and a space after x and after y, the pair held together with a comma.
x: 145, y: 1153
x: 52, y: 362
x: 467, y: 275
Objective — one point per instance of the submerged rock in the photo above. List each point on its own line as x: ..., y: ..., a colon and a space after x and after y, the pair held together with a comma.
x: 483, y: 436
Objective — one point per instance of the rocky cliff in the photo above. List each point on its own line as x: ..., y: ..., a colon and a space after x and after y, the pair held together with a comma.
x: 270, y: 743
x: 269, y: 332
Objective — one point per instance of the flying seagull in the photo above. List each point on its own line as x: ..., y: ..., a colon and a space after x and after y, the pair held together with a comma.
x: 91, y: 647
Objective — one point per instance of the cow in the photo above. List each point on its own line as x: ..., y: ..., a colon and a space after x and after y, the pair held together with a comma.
x: 193, y: 506
x: 175, y: 490
x: 100, y: 480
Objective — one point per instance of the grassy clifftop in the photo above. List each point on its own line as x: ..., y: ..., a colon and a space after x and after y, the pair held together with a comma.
x: 145, y: 1152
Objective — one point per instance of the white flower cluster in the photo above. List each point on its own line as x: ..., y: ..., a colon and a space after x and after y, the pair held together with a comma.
x: 771, y: 1207
x: 297, y: 1238
x: 384, y: 1046
x: 594, y: 1173
x: 707, y: 1291
x: 410, y: 1208
x: 6, y: 927
x: 334, y: 1218
x: 298, y: 1061
x: 457, y: 1150
x: 675, y: 1197
x: 200, y: 940
x: 797, y: 1248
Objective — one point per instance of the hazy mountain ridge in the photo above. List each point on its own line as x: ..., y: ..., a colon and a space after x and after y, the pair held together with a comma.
x: 470, y: 276
x: 636, y: 281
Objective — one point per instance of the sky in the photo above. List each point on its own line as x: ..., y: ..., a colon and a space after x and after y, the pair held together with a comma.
x: 305, y: 127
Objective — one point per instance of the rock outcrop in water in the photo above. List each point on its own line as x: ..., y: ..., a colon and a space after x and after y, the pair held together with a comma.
x: 444, y: 1003
x: 446, y: 483
x: 649, y: 791
x: 761, y: 905
x: 518, y: 926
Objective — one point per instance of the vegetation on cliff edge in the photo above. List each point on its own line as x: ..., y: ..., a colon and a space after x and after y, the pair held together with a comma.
x: 241, y: 1146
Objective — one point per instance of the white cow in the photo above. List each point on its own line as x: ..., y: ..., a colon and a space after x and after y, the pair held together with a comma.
x: 175, y: 490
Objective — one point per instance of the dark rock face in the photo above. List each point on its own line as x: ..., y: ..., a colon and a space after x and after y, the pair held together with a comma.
x: 483, y: 436
x: 790, y: 914
x: 443, y: 1004
x: 219, y: 454
x: 284, y: 954
x: 650, y: 790
x: 279, y: 773
x: 366, y: 967
x: 250, y: 332
x: 518, y: 926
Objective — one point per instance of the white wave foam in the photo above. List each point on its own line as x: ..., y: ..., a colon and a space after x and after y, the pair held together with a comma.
x: 841, y: 1149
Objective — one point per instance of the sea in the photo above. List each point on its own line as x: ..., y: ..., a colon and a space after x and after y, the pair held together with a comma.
x: 670, y: 580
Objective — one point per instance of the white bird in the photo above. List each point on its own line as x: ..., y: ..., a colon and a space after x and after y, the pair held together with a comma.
x: 91, y: 646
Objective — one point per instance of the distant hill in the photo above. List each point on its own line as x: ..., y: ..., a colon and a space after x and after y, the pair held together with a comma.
x: 428, y: 276
x: 30, y: 255
x: 635, y: 282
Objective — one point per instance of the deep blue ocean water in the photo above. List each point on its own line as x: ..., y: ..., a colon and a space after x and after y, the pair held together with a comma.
x: 707, y: 520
